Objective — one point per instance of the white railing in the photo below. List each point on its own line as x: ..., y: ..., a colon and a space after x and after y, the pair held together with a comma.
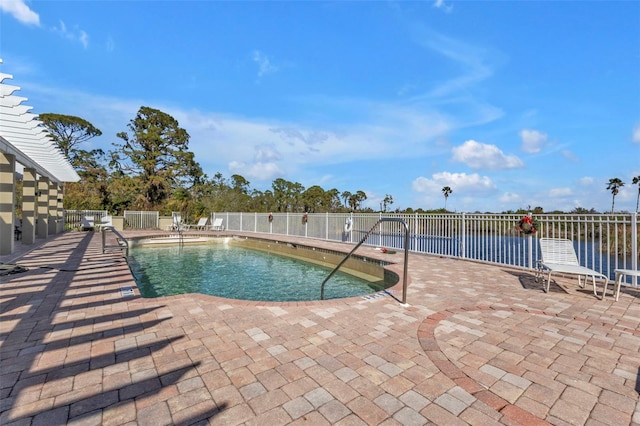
x: 73, y: 218
x: 603, y: 242
x: 141, y: 219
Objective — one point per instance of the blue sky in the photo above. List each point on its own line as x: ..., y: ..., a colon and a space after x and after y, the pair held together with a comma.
x: 511, y: 104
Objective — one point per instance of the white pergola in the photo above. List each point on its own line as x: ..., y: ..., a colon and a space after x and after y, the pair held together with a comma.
x: 24, y: 140
x: 23, y: 136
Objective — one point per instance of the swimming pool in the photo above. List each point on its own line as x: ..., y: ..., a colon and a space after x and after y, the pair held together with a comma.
x: 234, y: 271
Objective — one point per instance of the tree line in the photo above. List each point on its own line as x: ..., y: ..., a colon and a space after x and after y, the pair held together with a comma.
x: 151, y: 168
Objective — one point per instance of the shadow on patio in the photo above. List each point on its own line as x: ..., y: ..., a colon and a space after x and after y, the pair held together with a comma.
x: 72, y: 348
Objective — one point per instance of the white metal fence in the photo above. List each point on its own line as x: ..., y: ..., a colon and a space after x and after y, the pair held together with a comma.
x: 132, y: 219
x: 141, y: 219
x: 73, y: 218
x: 603, y: 242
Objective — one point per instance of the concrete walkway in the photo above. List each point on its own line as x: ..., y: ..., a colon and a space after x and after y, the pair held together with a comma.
x: 477, y: 344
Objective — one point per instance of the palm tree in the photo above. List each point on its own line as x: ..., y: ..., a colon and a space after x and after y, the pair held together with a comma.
x: 614, y: 185
x: 446, y: 191
x: 636, y: 181
x: 346, y: 196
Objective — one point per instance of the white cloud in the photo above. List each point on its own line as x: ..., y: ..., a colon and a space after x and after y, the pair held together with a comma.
x: 459, y: 183
x: 264, y: 64
x: 532, y: 140
x: 636, y: 134
x: 264, y: 147
x: 484, y: 156
x: 382, y: 131
x: 75, y: 34
x: 19, y: 10
x: 267, y: 153
x: 258, y: 170
x: 84, y: 39
x: 586, y: 181
x: 570, y: 156
x: 440, y: 4
x: 465, y: 189
x: 510, y: 198
x: 560, y: 192
x: 111, y: 44
x: 292, y: 134
x: 472, y: 60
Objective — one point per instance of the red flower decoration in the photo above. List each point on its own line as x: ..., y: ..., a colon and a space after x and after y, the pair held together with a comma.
x: 527, y: 225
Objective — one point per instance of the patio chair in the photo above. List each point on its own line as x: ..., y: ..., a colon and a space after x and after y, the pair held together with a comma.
x: 104, y: 222
x: 559, y: 256
x: 217, y: 225
x: 201, y: 225
x: 87, y: 223
x: 176, y: 222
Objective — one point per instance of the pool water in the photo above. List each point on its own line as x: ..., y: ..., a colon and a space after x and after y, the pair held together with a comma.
x: 237, y: 273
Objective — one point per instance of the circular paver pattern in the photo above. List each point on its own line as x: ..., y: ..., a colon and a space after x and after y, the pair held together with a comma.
x: 535, y: 366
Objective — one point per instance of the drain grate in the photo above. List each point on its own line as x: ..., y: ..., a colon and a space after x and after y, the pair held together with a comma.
x: 126, y: 292
x: 377, y: 295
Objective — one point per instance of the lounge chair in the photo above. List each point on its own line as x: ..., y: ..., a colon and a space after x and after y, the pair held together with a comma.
x: 104, y: 222
x: 87, y: 223
x: 559, y: 256
x: 217, y: 225
x: 201, y: 225
x: 176, y: 222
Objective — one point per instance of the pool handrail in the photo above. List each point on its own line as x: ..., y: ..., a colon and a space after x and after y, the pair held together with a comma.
x: 122, y: 241
x: 406, y: 255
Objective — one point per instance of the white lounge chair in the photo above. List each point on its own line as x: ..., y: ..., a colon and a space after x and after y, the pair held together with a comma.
x: 105, y: 221
x: 217, y: 225
x: 559, y: 256
x: 176, y: 222
x: 88, y: 223
x: 201, y: 225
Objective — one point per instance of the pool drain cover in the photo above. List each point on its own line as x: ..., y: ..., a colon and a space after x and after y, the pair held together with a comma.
x: 126, y: 292
x: 377, y: 295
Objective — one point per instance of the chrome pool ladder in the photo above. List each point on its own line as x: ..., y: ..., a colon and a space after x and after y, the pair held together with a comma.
x: 406, y: 255
x: 123, y: 244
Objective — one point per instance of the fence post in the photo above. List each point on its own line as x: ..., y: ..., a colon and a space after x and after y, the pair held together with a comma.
x: 634, y: 246
x: 530, y: 246
x: 326, y: 226
x: 463, y: 232
x: 352, y: 222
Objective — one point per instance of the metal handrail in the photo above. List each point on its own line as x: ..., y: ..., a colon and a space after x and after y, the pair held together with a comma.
x: 121, y: 238
x: 406, y: 255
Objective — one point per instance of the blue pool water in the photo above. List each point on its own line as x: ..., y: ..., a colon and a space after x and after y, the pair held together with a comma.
x: 237, y: 273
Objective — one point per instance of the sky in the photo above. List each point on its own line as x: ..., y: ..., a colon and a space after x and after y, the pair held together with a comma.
x: 512, y: 104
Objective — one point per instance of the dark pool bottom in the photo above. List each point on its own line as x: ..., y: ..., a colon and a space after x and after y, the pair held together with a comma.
x: 234, y: 272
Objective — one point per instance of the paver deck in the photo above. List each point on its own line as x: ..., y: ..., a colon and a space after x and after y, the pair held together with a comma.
x: 476, y: 344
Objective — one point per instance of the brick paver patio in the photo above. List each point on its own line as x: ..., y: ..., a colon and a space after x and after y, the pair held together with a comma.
x: 477, y: 344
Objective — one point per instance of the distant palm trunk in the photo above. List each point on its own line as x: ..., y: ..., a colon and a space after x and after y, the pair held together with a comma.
x: 614, y: 185
x: 446, y: 191
x: 636, y: 181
